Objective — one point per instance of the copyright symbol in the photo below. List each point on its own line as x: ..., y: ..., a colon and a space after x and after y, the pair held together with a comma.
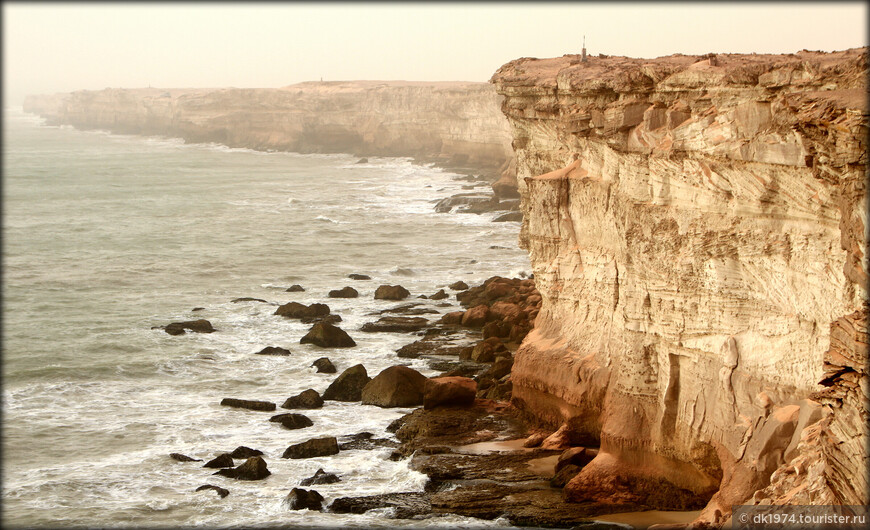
x: 744, y: 518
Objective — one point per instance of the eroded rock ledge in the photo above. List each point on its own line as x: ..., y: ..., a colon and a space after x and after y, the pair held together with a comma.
x: 453, y: 124
x: 697, y: 228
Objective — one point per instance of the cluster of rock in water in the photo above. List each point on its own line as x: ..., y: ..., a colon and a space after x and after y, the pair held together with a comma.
x: 468, y: 402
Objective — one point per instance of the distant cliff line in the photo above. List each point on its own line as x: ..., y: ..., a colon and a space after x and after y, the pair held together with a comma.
x: 458, y: 125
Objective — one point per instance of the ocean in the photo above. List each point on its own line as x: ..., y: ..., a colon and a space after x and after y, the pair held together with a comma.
x: 107, y: 236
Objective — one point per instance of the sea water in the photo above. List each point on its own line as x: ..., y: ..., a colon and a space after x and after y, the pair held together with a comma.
x: 106, y: 236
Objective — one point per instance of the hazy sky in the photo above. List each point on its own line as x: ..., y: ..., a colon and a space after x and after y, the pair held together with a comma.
x: 68, y: 46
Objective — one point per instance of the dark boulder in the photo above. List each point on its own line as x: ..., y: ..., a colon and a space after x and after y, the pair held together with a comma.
x: 224, y: 460
x: 309, y: 399
x: 359, y: 277
x: 440, y: 295
x: 292, y: 421
x: 330, y: 319
x: 458, y: 286
x: 253, y: 468
x: 197, y: 326
x: 365, y: 441
x: 295, y: 288
x: 564, y: 475
x: 320, y: 477
x: 248, y: 299
x: 577, y: 456
x: 391, y: 292
x: 346, y: 292
x: 396, y: 386
x: 404, y: 505
x: 454, y: 317
x: 183, y: 458
x: 396, y: 324
x: 245, y: 452
x: 273, y: 350
x: 449, y: 392
x: 312, y: 448
x: 324, y: 366
x: 300, y: 499
x: 220, y: 491
x: 476, y: 317
x: 349, y: 385
x: 297, y: 310
x: 326, y: 335
x: 248, y: 404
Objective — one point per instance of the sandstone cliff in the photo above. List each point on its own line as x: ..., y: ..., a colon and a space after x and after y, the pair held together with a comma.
x: 697, y: 228
x: 456, y: 124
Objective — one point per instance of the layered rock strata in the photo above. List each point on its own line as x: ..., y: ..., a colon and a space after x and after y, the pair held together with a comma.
x: 457, y: 124
x: 697, y: 227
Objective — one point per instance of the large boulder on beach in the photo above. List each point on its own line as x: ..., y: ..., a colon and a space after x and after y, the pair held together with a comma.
x: 297, y: 310
x: 324, y: 366
x: 308, y: 399
x: 292, y: 421
x: 326, y: 335
x: 449, y: 392
x: 197, y: 326
x: 349, y: 385
x: 396, y: 386
x: 391, y: 292
x: 253, y: 468
x: 300, y: 499
x: 312, y: 448
x: 346, y: 292
x: 248, y: 404
x: 396, y: 324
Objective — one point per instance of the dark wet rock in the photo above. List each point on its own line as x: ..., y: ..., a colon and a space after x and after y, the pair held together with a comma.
x: 245, y: 452
x: 404, y: 505
x: 345, y: 292
x: 300, y: 499
x: 359, y: 276
x: 440, y: 295
x: 308, y: 399
x: 564, y: 475
x: 509, y: 217
x: 197, y: 326
x: 224, y: 460
x: 326, y: 335
x: 468, y: 203
x: 457, y: 368
x: 320, y: 477
x: 295, y: 288
x: 292, y: 421
x: 365, y: 441
x: 458, y: 286
x: 500, y: 368
x: 183, y: 458
x: 428, y: 346
x: 248, y: 299
x: 578, y: 456
x: 349, y: 385
x: 486, y: 350
x: 423, y: 296
x: 452, y: 318
x: 273, y: 350
x: 312, y: 448
x: 220, y: 491
x: 248, y: 404
x: 324, y: 366
x: 407, y: 309
x: 449, y: 392
x: 396, y: 324
x: 396, y: 424
x: 391, y: 292
x: 396, y: 386
x: 329, y: 319
x: 253, y: 468
x: 198, y: 309
x: 297, y: 310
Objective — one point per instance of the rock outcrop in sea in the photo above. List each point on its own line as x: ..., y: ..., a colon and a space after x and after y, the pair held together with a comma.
x: 697, y: 229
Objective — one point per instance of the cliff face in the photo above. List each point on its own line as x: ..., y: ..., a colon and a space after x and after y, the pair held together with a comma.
x: 450, y: 123
x: 697, y: 228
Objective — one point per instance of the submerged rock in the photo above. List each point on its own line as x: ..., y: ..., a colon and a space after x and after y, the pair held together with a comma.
x: 391, y: 292
x: 324, y: 366
x: 349, y: 385
x: 396, y: 386
x: 345, y: 292
x: 183, y: 458
x: 365, y: 441
x: 253, y: 468
x: 273, y: 350
x: 297, y: 310
x: 359, y: 276
x: 197, y: 326
x: 220, y: 491
x: 224, y: 460
x: 292, y: 421
x: 300, y: 499
x: 404, y: 505
x: 440, y: 295
x: 396, y: 324
x: 458, y: 286
x: 248, y: 299
x: 245, y: 452
x: 326, y: 335
x: 248, y: 404
x: 295, y: 288
x: 312, y: 448
x: 308, y: 399
x: 320, y: 477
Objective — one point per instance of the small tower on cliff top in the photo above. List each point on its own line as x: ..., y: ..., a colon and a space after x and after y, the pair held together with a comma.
x: 583, y: 53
